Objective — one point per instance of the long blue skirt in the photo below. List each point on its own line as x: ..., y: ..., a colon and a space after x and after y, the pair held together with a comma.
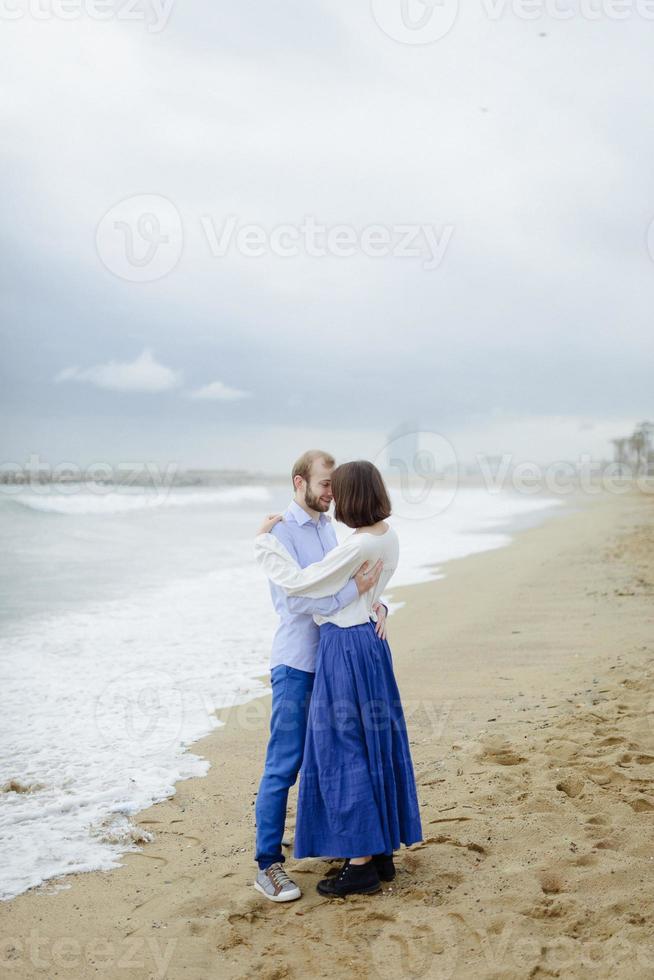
x: 357, y: 793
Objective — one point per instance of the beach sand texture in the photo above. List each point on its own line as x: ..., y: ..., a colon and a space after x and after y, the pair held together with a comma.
x: 527, y: 675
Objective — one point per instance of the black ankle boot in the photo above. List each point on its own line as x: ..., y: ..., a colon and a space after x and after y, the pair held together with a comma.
x: 385, y: 866
x: 353, y: 879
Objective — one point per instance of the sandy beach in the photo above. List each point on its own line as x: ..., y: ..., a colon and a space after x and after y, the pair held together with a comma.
x: 527, y: 676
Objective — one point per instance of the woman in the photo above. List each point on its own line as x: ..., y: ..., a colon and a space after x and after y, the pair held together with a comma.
x: 357, y: 797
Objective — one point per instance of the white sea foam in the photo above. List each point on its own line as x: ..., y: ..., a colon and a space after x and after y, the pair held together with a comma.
x: 475, y: 521
x: 103, y: 697
x: 74, y: 500
x: 100, y: 722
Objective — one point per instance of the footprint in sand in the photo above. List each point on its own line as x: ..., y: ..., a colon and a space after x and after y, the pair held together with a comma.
x: 598, y: 820
x: 641, y: 804
x: 547, y: 908
x: 625, y: 710
x: 636, y: 685
x: 500, y: 752
x: 247, y: 911
x: 218, y: 930
x: 585, y: 861
x: 604, y: 776
x: 416, y: 944
x: 572, y: 786
x: 551, y: 882
x: 600, y: 831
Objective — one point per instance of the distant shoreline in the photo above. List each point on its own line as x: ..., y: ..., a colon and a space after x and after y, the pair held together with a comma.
x: 538, y: 480
x: 137, y: 478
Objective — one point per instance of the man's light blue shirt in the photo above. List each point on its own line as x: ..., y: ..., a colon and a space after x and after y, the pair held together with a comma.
x: 296, y: 639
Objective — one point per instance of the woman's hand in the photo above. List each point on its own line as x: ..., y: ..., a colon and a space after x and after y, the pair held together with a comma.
x: 379, y: 610
x: 269, y: 523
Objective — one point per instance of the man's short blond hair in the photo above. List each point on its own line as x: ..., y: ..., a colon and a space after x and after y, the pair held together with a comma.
x: 302, y: 466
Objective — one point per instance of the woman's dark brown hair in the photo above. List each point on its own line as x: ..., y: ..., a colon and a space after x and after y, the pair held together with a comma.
x: 360, y: 497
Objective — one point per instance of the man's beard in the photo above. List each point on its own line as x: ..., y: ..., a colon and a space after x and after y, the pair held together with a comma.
x: 313, y: 502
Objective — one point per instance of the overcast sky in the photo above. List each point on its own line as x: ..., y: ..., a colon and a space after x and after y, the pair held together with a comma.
x: 512, y: 156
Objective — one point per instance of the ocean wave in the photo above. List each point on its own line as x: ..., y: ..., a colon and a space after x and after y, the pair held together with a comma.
x: 115, y: 502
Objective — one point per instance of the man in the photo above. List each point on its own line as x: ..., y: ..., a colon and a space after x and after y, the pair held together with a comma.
x: 307, y: 534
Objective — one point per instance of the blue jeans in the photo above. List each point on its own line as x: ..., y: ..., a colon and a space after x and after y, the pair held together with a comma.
x: 291, y: 694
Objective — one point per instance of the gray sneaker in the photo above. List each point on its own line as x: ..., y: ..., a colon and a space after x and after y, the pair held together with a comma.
x: 275, y: 884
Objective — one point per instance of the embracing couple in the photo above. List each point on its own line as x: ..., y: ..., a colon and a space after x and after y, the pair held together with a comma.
x: 336, y: 709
